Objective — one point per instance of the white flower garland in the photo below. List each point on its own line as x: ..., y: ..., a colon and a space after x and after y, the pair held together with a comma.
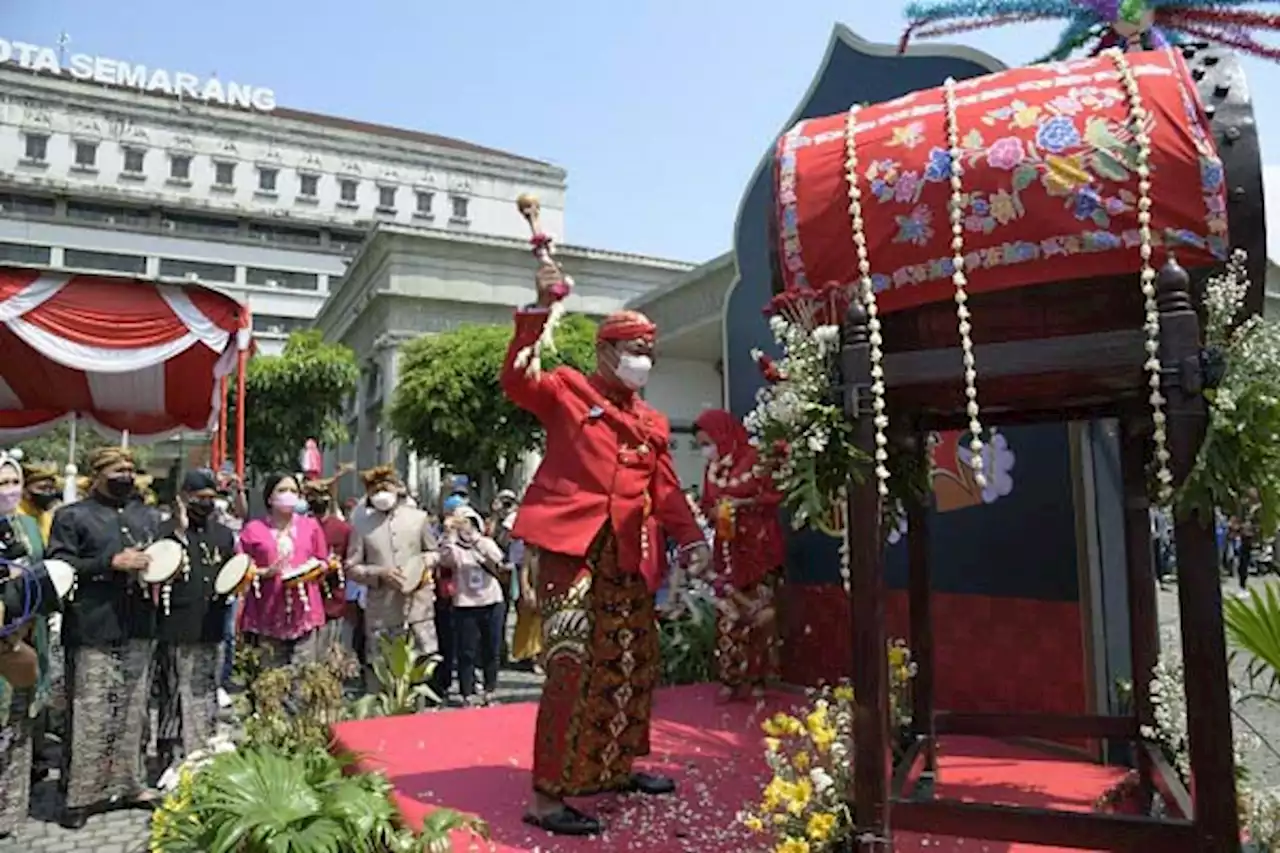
x: 867, y: 293
x: 1137, y: 120
x: 961, y: 282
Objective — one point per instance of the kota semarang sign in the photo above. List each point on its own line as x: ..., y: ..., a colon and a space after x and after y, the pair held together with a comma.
x: 116, y: 72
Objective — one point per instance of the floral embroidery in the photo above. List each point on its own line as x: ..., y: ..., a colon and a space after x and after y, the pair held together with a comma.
x: 907, y: 135
x: 1057, y: 134
x: 788, y: 215
x: 939, y: 168
x: 915, y: 227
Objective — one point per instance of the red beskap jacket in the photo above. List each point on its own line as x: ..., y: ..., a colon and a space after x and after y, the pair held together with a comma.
x: 607, y: 459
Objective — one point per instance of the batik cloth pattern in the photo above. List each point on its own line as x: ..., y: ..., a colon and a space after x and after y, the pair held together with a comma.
x: 600, y: 652
x: 746, y: 635
x: 109, y: 688
x: 187, y: 674
x: 296, y: 652
x: 1049, y: 176
x: 16, y: 755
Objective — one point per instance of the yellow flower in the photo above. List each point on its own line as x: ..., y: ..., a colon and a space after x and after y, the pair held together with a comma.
x: 775, y: 792
x: 1024, y: 116
x: 821, y: 826
x: 793, y: 845
x: 772, y: 744
x: 816, y: 721
x: 753, y: 823
x: 801, y: 792
x: 897, y: 656
x: 801, y: 761
x: 780, y: 818
x: 844, y: 693
x: 781, y: 725
x: 1064, y: 175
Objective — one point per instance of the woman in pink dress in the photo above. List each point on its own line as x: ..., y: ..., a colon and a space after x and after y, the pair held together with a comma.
x: 283, y: 619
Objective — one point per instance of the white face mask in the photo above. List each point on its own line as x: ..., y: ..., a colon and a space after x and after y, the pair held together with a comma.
x: 708, y: 452
x: 633, y: 370
x: 383, y: 501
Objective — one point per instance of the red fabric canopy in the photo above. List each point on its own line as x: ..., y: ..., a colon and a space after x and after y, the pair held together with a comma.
x: 124, y: 354
x: 1049, y: 182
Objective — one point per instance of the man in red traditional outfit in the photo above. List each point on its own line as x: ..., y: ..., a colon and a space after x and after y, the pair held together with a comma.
x: 586, y: 518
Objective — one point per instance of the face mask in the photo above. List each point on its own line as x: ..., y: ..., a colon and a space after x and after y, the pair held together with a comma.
x: 633, y: 370
x: 199, y: 508
x: 9, y: 498
x: 284, y: 501
x: 44, y: 500
x: 383, y: 501
x: 301, y: 507
x: 708, y: 452
x: 120, y: 487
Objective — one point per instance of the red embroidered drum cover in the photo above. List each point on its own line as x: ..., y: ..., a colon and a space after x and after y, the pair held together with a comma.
x: 1049, y: 184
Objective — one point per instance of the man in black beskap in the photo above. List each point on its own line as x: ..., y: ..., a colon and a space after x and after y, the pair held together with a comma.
x: 109, y: 633
x: 190, y: 635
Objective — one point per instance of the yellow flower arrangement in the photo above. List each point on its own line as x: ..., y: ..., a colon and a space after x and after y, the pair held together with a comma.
x: 804, y: 806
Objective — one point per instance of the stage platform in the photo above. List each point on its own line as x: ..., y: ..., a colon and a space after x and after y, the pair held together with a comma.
x: 478, y: 761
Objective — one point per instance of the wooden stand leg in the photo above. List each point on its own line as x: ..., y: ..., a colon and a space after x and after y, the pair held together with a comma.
x: 920, y: 602
x: 1144, y: 631
x: 871, y: 755
x: 1204, y: 645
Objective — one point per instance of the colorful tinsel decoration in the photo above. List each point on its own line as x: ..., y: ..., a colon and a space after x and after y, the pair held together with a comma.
x: 1097, y: 25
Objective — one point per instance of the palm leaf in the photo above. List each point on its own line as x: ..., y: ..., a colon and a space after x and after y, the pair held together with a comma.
x: 1253, y: 625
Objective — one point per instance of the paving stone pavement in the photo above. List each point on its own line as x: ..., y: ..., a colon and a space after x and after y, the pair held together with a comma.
x: 127, y: 831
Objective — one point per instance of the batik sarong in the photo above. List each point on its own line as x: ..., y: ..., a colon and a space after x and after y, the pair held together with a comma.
x: 108, y: 689
x: 297, y: 652
x: 746, y: 635
x: 16, y: 754
x: 187, y: 675
x: 600, y: 652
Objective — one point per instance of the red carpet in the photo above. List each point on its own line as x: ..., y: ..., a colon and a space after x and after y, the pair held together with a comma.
x: 478, y: 761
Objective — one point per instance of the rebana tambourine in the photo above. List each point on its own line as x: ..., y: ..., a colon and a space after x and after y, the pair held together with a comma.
x: 414, y: 573
x: 62, y: 576
x: 311, y: 570
x: 166, y: 559
x: 235, y: 576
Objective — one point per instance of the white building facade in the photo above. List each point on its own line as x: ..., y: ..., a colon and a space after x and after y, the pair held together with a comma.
x: 267, y: 205
x: 407, y: 282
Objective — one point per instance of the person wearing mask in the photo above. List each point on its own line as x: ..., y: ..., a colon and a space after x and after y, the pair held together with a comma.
x: 392, y: 546
x: 283, y: 619
x: 109, y: 634
x: 606, y: 472
x: 477, y: 564
x: 741, y: 502
x: 321, y: 497
x: 446, y: 625
x: 20, y: 707
x: 40, y: 495
x: 190, y: 633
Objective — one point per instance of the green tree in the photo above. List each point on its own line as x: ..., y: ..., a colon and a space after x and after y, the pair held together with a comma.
x: 294, y: 396
x: 449, y: 406
x: 55, y: 445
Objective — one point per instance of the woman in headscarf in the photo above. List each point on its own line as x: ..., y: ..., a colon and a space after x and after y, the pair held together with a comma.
x: 109, y: 634
x: 19, y: 708
x: 477, y: 564
x: 742, y: 504
x: 283, y: 619
x: 40, y: 494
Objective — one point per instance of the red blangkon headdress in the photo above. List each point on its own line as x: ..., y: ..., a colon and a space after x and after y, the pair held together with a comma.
x: 627, y: 326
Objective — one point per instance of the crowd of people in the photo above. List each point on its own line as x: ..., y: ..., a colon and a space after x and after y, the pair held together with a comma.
x: 128, y: 642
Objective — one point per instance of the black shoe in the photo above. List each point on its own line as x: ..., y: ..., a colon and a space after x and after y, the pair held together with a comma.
x: 73, y: 818
x: 648, y: 783
x: 566, y: 821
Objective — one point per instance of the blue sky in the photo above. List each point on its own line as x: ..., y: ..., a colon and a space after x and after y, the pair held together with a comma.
x: 659, y: 109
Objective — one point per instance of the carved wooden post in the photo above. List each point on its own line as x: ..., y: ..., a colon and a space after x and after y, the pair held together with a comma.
x: 1204, y: 647
x: 1143, y: 622
x: 920, y: 606
x: 866, y: 585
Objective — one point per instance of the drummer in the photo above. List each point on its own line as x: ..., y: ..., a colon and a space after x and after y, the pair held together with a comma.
x: 190, y: 633
x: 108, y: 630
x: 389, y: 542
